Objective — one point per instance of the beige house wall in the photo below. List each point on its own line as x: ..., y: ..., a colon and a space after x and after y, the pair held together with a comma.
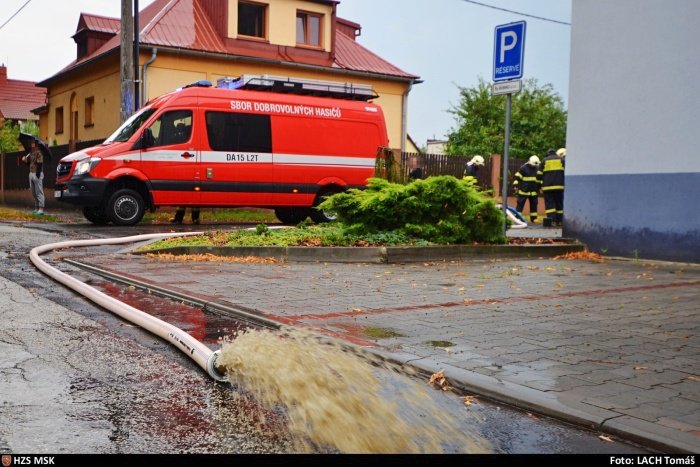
x: 100, y: 82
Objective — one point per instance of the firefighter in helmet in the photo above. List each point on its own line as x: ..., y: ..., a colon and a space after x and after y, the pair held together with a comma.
x: 527, y: 186
x: 552, y: 176
x: 472, y: 167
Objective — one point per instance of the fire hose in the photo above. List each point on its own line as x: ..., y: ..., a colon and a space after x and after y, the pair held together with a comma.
x: 197, y: 351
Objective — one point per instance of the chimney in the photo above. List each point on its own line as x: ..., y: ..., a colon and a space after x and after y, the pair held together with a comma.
x: 3, y: 72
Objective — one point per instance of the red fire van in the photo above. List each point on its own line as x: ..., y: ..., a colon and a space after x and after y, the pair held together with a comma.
x: 270, y: 142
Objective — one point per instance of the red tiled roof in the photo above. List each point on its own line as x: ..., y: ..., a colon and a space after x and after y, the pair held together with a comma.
x: 184, y: 24
x: 349, y: 54
x: 18, y: 98
x: 98, y: 23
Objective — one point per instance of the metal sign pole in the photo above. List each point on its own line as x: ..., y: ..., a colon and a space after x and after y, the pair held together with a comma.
x: 504, y: 184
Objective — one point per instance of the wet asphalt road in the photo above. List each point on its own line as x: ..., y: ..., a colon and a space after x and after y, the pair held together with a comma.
x: 76, y: 379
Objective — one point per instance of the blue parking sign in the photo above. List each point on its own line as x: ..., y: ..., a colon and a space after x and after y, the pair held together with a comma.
x: 509, y: 51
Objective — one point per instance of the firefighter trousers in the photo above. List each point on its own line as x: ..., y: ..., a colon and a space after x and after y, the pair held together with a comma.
x: 554, y: 205
x: 533, y: 206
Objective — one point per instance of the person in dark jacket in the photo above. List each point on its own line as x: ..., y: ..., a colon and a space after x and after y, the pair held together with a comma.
x: 35, y: 160
x: 552, y: 176
x: 416, y: 172
x: 527, y: 186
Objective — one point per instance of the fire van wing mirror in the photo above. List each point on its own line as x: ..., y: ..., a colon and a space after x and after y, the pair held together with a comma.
x: 146, y: 140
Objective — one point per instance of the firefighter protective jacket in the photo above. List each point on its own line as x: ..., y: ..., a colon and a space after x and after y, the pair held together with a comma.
x: 552, y: 170
x: 527, y: 182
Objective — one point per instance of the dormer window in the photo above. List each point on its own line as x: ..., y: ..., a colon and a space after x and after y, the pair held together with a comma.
x: 251, y: 19
x: 308, y: 29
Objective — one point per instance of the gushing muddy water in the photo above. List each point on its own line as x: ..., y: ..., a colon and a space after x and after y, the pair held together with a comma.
x: 334, y: 400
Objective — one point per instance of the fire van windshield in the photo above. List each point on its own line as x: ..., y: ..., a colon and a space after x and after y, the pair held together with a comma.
x: 130, y: 126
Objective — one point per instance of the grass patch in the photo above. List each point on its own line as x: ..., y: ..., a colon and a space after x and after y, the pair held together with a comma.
x: 440, y: 344
x: 217, y: 216
x: 9, y: 214
x: 382, y: 333
x: 311, y: 235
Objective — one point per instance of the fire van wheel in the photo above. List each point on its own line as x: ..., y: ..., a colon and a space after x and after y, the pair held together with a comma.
x: 319, y: 215
x: 287, y: 215
x: 126, y: 207
x: 96, y: 215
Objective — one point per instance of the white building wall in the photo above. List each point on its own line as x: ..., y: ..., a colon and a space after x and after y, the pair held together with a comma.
x: 633, y: 161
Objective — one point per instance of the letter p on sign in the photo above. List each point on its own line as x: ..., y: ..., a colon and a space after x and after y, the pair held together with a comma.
x: 505, y: 46
x: 509, y: 51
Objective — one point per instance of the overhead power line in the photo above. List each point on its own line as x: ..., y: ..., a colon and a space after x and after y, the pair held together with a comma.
x: 16, y: 13
x: 518, y: 12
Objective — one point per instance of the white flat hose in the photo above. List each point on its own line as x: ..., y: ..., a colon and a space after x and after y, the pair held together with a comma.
x: 517, y: 223
x: 200, y: 353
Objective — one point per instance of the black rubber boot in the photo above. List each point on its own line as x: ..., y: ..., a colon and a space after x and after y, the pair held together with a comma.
x: 179, y: 216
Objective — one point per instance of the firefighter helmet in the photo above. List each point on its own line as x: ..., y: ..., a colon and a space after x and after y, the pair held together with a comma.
x: 561, y: 152
x: 478, y: 160
x: 534, y: 160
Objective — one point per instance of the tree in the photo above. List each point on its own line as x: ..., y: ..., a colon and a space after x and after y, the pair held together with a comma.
x: 9, y: 137
x: 538, y: 121
x: 9, y: 134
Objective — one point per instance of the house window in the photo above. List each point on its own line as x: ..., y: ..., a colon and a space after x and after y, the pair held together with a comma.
x: 89, y: 111
x: 59, y: 120
x: 251, y: 19
x: 309, y: 29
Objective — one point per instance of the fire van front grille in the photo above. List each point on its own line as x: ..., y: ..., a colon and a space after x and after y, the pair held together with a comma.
x: 63, y: 169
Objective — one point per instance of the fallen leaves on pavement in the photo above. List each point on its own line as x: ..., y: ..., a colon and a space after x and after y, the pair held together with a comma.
x: 581, y: 255
x: 438, y: 379
x: 213, y: 258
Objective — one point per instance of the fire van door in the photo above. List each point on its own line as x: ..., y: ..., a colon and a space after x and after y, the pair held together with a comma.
x: 171, y: 162
x: 236, y: 169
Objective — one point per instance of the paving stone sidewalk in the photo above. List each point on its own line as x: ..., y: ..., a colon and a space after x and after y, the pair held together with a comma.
x: 614, y: 345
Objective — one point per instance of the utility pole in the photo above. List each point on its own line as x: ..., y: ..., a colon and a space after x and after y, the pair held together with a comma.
x: 126, y: 61
x: 137, y: 75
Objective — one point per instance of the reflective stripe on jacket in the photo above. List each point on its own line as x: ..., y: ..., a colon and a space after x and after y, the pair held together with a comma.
x: 527, y: 182
x: 552, y: 173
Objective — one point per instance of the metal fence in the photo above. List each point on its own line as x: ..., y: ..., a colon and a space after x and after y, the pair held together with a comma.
x: 16, y: 173
x: 442, y: 164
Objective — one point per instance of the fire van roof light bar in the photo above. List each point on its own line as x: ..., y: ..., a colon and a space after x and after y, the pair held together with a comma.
x: 281, y: 84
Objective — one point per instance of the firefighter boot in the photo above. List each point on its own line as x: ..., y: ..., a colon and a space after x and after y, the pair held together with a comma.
x: 179, y: 216
x: 195, y: 216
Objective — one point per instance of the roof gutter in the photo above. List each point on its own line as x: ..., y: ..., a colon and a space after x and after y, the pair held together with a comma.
x: 303, y: 66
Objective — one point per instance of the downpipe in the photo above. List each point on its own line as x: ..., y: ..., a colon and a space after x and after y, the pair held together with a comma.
x: 200, y: 353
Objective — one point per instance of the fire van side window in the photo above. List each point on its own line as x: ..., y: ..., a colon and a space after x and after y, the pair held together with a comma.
x: 234, y: 132
x: 172, y: 128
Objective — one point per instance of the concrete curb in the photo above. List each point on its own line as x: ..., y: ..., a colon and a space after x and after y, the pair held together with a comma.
x: 396, y: 254
x: 548, y: 404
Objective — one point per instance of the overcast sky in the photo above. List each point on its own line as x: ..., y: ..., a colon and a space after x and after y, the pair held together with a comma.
x: 445, y: 42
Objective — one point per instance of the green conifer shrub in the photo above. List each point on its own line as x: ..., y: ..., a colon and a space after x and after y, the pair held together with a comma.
x: 442, y: 210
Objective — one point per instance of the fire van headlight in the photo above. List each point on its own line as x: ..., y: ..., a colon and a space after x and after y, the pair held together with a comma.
x: 86, y: 165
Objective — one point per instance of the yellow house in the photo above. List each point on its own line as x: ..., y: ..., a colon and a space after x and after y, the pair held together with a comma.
x: 183, y: 41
